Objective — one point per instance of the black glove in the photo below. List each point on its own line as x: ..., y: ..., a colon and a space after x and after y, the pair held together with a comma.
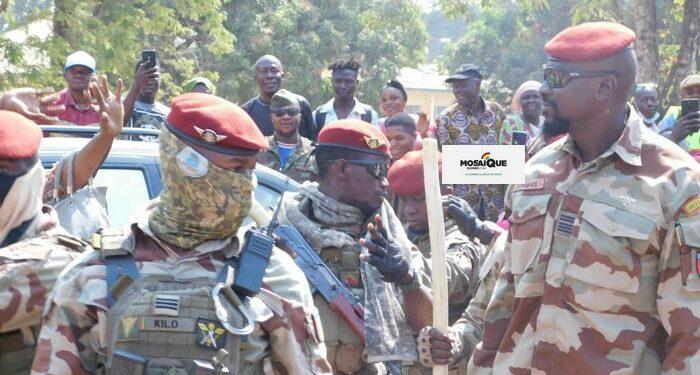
x: 466, y: 219
x: 387, y: 257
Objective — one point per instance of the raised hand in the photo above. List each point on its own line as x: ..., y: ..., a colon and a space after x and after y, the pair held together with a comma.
x: 30, y: 103
x: 111, y: 108
x: 386, y: 256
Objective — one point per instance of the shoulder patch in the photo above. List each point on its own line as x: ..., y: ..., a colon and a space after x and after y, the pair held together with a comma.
x: 692, y: 206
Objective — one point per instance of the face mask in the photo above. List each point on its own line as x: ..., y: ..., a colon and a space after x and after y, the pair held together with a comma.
x: 200, y: 201
x: 6, y: 183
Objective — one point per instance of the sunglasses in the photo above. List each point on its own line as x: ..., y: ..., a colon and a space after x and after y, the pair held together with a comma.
x: 557, y: 78
x: 291, y: 112
x: 376, y: 168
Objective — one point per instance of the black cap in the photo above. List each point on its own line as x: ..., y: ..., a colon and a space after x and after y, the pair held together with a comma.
x: 465, y: 71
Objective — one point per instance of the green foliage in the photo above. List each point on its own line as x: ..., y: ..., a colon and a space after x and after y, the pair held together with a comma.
x: 221, y: 40
x: 114, y: 32
x: 506, y: 37
x: 506, y: 41
x: 384, y: 35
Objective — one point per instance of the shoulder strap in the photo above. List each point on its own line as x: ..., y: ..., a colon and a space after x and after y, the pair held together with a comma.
x: 367, y: 116
x: 117, y: 247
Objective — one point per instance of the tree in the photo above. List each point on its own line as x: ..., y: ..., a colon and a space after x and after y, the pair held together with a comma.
x: 667, y: 32
x: 384, y: 35
x: 115, y: 32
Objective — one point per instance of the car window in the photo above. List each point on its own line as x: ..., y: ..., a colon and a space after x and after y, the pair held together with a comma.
x: 126, y: 192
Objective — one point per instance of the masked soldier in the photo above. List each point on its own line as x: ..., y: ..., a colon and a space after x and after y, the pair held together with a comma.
x: 33, y: 247
x: 156, y: 298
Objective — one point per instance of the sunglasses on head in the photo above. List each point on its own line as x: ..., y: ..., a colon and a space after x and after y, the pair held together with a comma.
x: 376, y: 168
x: 557, y: 78
x: 289, y: 112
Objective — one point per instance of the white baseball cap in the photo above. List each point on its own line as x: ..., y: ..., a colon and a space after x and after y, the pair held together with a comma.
x: 80, y: 58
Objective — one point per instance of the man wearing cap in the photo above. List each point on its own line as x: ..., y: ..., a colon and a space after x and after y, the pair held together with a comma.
x: 157, y: 297
x: 600, y: 273
x: 33, y: 247
x: 685, y: 131
x: 287, y: 151
x: 463, y: 256
x: 80, y: 108
x: 472, y: 121
x: 141, y: 110
x: 199, y: 84
x: 340, y: 214
x: 268, y: 75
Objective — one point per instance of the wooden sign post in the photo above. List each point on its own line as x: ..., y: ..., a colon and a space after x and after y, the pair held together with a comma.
x: 436, y: 226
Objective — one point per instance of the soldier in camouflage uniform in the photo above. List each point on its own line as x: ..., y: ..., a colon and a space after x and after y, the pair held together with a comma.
x: 334, y: 215
x: 463, y: 256
x: 287, y: 151
x: 33, y: 247
x: 456, y: 347
x: 156, y: 299
x: 600, y: 273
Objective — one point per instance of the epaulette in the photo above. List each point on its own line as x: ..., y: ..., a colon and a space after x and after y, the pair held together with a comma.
x: 113, y: 241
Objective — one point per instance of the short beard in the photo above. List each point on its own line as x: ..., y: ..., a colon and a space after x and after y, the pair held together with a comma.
x: 556, y: 126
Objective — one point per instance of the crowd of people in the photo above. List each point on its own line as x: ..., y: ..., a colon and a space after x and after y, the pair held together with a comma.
x: 591, y: 266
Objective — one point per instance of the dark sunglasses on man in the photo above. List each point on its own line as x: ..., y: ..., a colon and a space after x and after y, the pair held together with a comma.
x: 291, y: 112
x: 376, y: 168
x: 557, y: 78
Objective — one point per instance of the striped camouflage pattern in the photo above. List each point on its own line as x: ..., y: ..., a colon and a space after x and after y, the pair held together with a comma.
x: 464, y: 259
x: 600, y: 274
x: 28, y: 272
x: 287, y: 334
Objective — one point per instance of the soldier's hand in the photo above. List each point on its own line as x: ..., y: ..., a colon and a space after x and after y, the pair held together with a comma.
x: 385, y: 255
x: 686, y: 126
x: 434, y: 347
x: 466, y: 219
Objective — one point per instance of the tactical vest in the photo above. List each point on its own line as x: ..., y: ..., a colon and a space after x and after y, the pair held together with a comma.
x: 161, y: 325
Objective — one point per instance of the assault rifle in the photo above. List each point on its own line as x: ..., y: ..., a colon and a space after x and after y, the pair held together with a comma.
x: 340, y: 298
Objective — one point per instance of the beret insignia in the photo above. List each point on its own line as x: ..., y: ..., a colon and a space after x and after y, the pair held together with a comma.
x: 209, y: 135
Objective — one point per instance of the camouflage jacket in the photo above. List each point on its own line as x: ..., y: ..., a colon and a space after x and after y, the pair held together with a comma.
x: 28, y: 271
x: 468, y: 329
x: 301, y: 165
x: 459, y: 126
x: 600, y: 273
x: 73, y: 339
x: 464, y: 258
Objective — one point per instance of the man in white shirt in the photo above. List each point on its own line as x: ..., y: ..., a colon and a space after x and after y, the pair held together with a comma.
x: 344, y: 104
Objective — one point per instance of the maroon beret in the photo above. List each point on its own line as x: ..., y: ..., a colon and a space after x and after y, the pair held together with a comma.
x: 354, y: 135
x: 406, y: 174
x: 214, y: 123
x: 19, y: 136
x: 590, y: 41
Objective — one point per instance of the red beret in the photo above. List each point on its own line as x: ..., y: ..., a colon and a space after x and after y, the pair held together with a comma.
x: 19, y: 136
x: 590, y: 41
x: 406, y: 174
x: 215, y: 124
x: 354, y: 135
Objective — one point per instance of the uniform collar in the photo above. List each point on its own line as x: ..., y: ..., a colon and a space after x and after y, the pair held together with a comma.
x: 628, y: 147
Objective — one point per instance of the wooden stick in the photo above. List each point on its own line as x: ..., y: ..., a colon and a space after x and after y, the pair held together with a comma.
x: 436, y: 225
